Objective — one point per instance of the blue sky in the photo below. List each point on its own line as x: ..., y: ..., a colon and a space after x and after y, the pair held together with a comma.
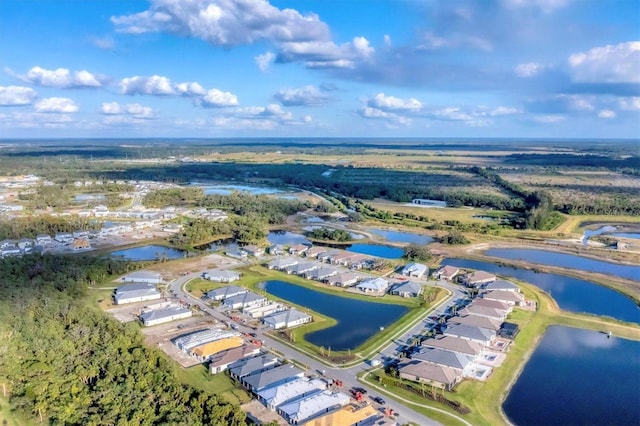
x: 335, y: 68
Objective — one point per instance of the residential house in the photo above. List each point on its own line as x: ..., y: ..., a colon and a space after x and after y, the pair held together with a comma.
x: 264, y: 310
x: 274, y: 396
x: 252, y: 250
x: 277, y: 375
x: 64, y: 237
x: 345, y: 279
x: 477, y: 321
x: 143, y: 277
x: 350, y: 414
x: 483, y: 336
x: 447, y: 272
x: 458, y: 361
x: 432, y: 374
x: 298, y: 249
x: 247, y: 366
x: 322, y: 273
x: 236, y: 253
x: 221, y: 275
x: 484, y: 311
x: 301, y: 410
x: 495, y: 304
x: 287, y: 319
x: 225, y: 292
x: 81, y: 244
x: 43, y: 239
x: 326, y: 256
x: 244, y: 300
x: 407, y: 289
x: 454, y: 344
x: 276, y: 250
x: 477, y: 278
x: 283, y: 263
x: 416, y: 270
x: 25, y: 244
x: 10, y: 251
x: 162, y: 315
x: 137, y: 292
x: 81, y: 234
x: 502, y: 285
x: 220, y: 361
x: 302, y: 268
x: 512, y: 298
x: 373, y: 285
x: 314, y: 251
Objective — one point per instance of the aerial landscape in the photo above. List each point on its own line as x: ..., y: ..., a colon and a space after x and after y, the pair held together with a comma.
x: 238, y: 212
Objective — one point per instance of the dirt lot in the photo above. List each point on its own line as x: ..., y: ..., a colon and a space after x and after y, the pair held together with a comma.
x: 256, y: 411
x: 161, y: 335
x: 173, y: 269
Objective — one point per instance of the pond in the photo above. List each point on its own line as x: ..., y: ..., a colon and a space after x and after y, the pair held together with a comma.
x: 578, y: 377
x: 227, y: 189
x: 402, y: 237
x: 287, y: 238
x: 634, y: 235
x: 386, y: 252
x: 150, y: 252
x: 571, y: 294
x: 358, y: 320
x: 565, y: 260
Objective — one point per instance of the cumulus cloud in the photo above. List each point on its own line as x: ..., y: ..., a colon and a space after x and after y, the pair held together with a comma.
x: 548, y: 119
x: 607, y: 64
x: 530, y: 69
x: 259, y: 118
x: 265, y: 60
x: 56, y: 105
x: 191, y: 89
x: 391, y: 103
x: 106, y: 43
x: 134, y: 110
x: 16, y: 95
x: 431, y: 41
x: 154, y: 85
x: 544, y: 5
x: 62, y: 78
x: 389, y: 117
x: 304, y: 96
x: 606, y: 113
x: 215, y: 98
x: 326, y: 54
x: 224, y: 22
x: 631, y: 103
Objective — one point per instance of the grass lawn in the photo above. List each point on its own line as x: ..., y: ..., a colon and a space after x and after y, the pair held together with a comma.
x: 218, y: 384
x: 199, y: 286
x: 9, y: 417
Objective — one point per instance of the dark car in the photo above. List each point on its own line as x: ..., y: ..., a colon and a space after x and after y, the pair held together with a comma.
x: 379, y: 400
x: 361, y: 390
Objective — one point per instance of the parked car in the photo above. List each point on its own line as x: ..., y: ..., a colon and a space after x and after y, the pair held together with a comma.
x: 379, y: 400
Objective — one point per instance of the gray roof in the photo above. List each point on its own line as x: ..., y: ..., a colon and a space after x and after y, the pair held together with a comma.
x: 280, y: 374
x: 246, y: 366
x: 232, y: 355
x: 300, y: 410
x: 507, y: 296
x: 477, y: 321
x: 142, y: 275
x: 427, y: 371
x: 299, y: 388
x: 158, y: 314
x: 484, y: 311
x: 283, y: 262
x: 453, y: 344
x: 443, y: 357
x: 470, y: 332
x: 288, y: 316
x: 129, y: 288
x: 223, y: 274
x: 244, y: 299
x: 502, y: 285
x: 408, y: 287
x: 375, y: 284
x: 495, y: 304
x: 415, y: 268
x: 226, y: 291
x: 323, y: 272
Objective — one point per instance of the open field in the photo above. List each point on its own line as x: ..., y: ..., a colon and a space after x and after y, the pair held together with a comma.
x: 219, y: 384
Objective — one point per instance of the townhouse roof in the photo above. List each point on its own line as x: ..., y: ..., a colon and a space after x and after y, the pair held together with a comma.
x: 502, y: 285
x: 226, y: 291
x: 478, y: 276
x: 232, y: 355
x: 443, y: 357
x: 288, y: 316
x: 244, y: 367
x: 427, y: 371
x: 162, y: 313
x: 477, y: 321
x: 483, y: 311
x: 470, y: 332
x: 281, y: 394
x: 448, y: 270
x: 244, y: 299
x: 507, y: 296
x: 454, y: 344
x: 262, y: 379
x: 495, y: 304
x: 300, y: 410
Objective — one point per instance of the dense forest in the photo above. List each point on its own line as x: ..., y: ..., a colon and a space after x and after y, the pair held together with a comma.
x: 64, y: 362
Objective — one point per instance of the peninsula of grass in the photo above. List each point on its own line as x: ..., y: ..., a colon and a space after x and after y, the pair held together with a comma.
x: 485, y: 399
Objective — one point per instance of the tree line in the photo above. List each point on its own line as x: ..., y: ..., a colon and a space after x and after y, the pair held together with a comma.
x: 64, y: 362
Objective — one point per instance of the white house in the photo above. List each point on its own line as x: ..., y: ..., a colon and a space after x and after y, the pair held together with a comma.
x: 416, y: 270
x: 143, y: 277
x: 286, y: 319
x: 447, y: 272
x: 138, y: 292
x: 64, y: 237
x: 221, y: 276
x: 162, y: 315
x: 43, y: 239
x: 373, y: 285
x: 225, y: 292
x: 244, y: 300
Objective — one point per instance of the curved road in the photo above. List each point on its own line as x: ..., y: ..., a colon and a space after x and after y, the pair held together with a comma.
x: 348, y: 375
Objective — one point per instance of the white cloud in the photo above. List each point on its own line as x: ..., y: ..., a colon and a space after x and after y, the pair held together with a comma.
x: 61, y: 77
x: 544, y: 5
x: 303, y: 96
x: 389, y: 117
x: 391, y: 103
x: 607, y: 64
x: 224, y: 22
x: 215, y: 98
x: 431, y: 41
x: 530, y: 69
x: 56, y: 105
x: 191, y: 89
x: 134, y: 110
x: 265, y: 60
x: 451, y: 114
x: 548, y: 119
x: 326, y: 54
x: 606, y: 113
x: 154, y: 85
x: 106, y: 42
x: 259, y: 118
x: 631, y: 103
x: 16, y: 95
x: 387, y: 40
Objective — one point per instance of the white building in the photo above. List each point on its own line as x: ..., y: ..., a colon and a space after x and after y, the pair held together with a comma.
x: 300, y: 410
x: 223, y: 293
x: 221, y: 275
x: 245, y: 300
x: 373, y: 285
x: 275, y: 396
x: 416, y: 270
x: 287, y: 319
x: 143, y: 277
x: 138, y: 292
x: 162, y: 315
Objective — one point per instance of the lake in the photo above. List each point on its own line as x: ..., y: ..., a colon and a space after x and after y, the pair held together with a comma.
x: 571, y: 294
x: 287, y: 238
x: 565, y: 260
x: 150, y: 252
x: 386, y: 252
x: 358, y: 320
x: 402, y: 237
x: 227, y: 189
x: 578, y: 377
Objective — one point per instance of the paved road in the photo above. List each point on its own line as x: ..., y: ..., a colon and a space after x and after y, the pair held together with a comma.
x: 347, y: 375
